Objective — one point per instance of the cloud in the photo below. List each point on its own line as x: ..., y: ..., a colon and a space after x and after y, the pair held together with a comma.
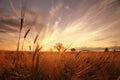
x: 8, y: 22
x: 11, y: 23
x: 103, y: 38
x: 55, y: 9
x: 88, y: 21
x: 2, y: 31
x: 8, y: 25
x: 13, y: 8
x: 81, y: 21
x: 1, y: 41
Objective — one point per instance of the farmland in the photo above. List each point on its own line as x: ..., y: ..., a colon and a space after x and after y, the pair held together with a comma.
x: 60, y: 66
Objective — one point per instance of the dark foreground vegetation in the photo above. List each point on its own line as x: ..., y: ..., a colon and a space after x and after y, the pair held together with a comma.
x: 60, y: 66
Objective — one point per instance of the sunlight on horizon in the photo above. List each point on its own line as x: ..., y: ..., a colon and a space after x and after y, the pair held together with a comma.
x: 77, y: 23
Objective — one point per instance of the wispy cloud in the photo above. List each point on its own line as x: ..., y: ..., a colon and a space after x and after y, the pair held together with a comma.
x: 55, y: 9
x: 8, y: 22
x: 86, y: 22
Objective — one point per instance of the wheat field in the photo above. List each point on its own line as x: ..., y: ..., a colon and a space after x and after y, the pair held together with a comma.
x: 60, y: 66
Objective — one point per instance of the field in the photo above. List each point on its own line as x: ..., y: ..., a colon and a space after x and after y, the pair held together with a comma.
x: 60, y: 66
x: 72, y: 32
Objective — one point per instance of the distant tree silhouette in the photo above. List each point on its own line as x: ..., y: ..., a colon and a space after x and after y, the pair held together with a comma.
x: 73, y: 49
x: 59, y: 47
x: 106, y: 50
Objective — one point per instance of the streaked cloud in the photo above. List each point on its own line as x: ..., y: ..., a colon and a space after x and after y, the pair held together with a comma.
x: 55, y: 9
x: 93, y: 23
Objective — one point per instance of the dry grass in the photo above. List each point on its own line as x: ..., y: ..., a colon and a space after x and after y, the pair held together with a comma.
x: 62, y: 65
x: 54, y: 66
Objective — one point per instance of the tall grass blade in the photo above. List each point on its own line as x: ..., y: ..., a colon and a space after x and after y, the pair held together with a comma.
x: 36, y: 37
x: 21, y: 25
x: 37, y: 50
x: 27, y: 33
x: 23, y: 9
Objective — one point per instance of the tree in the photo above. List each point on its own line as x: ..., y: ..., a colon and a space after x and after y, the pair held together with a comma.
x: 59, y: 47
x: 73, y: 49
x: 106, y: 50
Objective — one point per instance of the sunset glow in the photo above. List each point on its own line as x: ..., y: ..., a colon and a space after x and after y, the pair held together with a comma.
x: 79, y: 23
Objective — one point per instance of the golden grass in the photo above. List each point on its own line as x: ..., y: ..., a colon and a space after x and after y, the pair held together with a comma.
x: 55, y: 66
x: 62, y: 65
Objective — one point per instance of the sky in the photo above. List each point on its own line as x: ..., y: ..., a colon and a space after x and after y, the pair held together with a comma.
x: 74, y: 23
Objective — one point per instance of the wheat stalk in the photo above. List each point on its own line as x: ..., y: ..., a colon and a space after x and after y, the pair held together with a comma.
x: 36, y: 37
x: 23, y: 9
x: 25, y: 36
x: 35, y: 56
x: 27, y: 32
